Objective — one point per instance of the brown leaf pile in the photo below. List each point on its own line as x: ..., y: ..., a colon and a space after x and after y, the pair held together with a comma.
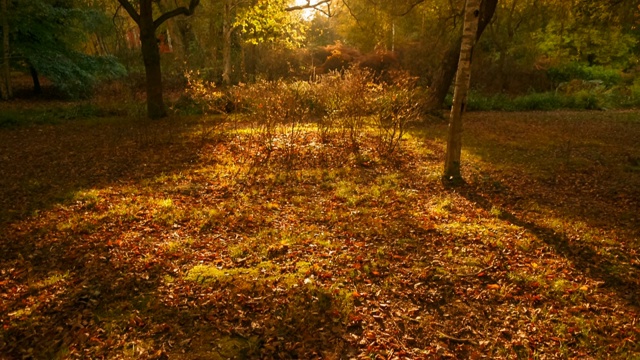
x: 149, y: 240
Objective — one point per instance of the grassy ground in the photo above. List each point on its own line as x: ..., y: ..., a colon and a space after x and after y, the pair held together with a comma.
x: 123, y: 238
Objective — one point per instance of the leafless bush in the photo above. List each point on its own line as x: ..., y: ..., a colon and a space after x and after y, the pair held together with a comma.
x: 346, y: 99
x: 396, y: 107
x: 206, y: 99
x: 276, y: 117
x: 275, y: 111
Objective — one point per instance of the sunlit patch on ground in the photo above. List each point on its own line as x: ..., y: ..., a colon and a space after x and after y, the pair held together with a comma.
x: 125, y: 240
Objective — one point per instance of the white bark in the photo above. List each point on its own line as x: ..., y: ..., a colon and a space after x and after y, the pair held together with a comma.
x: 463, y: 80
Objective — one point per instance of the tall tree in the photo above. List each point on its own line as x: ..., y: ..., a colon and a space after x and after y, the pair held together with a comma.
x: 49, y: 37
x: 463, y: 79
x: 5, y: 87
x: 442, y: 82
x: 143, y: 16
x: 227, y: 31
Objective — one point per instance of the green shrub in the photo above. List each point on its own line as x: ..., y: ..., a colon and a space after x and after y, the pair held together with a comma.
x: 547, y: 101
x: 572, y: 71
x: 486, y: 103
x: 538, y: 101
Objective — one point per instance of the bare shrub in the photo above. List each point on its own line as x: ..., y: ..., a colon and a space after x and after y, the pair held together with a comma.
x: 275, y: 111
x: 346, y: 99
x: 276, y: 118
x: 204, y: 98
x: 396, y: 106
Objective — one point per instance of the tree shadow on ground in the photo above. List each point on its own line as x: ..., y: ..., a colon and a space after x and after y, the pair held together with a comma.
x: 579, y: 163
x: 614, y: 270
x: 45, y: 165
x: 122, y: 288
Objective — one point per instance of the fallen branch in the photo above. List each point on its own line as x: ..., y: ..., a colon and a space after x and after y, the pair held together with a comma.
x: 478, y: 272
x: 455, y: 339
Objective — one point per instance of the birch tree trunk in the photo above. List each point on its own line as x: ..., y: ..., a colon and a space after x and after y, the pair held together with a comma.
x: 449, y: 64
x: 463, y: 80
x: 6, y: 92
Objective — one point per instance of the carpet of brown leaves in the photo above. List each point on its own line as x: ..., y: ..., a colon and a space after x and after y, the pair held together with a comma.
x: 134, y: 239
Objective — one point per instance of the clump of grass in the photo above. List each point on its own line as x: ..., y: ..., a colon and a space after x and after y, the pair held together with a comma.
x: 78, y: 225
x: 51, y: 280
x: 496, y: 212
x: 261, y: 273
x: 88, y: 198
x: 442, y: 207
x: 208, y: 218
x: 237, y: 252
x: 348, y: 192
x: 167, y: 213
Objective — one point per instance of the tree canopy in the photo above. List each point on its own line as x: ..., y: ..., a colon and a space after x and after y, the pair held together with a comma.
x: 49, y: 36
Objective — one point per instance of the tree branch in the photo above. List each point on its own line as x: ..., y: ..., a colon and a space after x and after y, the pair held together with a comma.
x: 131, y: 10
x: 411, y: 7
x: 173, y: 13
x: 308, y: 5
x: 115, y: 15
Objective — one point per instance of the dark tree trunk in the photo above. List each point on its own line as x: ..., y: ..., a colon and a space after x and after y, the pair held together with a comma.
x: 442, y: 82
x: 6, y: 90
x: 151, y: 50
x: 37, y: 89
x: 187, y: 36
x: 151, y: 57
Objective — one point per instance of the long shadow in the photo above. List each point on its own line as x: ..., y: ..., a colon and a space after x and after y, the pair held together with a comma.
x: 41, y: 166
x: 615, y: 271
x: 56, y: 161
x: 100, y: 292
x: 582, y: 161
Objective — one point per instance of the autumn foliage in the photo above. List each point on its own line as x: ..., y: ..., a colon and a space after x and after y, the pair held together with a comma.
x: 125, y: 239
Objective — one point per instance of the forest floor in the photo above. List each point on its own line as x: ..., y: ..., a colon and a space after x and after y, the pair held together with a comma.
x: 125, y: 238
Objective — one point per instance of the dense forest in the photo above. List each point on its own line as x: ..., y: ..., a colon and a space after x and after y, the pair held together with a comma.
x: 532, y: 54
x: 319, y: 179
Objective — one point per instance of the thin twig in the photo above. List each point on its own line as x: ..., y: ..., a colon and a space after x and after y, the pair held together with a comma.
x: 455, y: 339
x: 477, y: 273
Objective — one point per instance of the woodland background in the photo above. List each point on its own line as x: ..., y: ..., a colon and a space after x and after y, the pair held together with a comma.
x: 534, y: 54
x: 288, y: 202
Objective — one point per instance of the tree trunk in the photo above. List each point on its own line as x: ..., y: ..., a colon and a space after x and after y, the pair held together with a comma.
x: 226, y: 43
x: 151, y: 57
x: 37, y: 89
x: 252, y: 62
x: 7, y: 91
x: 187, y: 36
x: 463, y: 79
x: 151, y: 50
x: 243, y: 63
x: 442, y: 82
x: 213, y: 43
